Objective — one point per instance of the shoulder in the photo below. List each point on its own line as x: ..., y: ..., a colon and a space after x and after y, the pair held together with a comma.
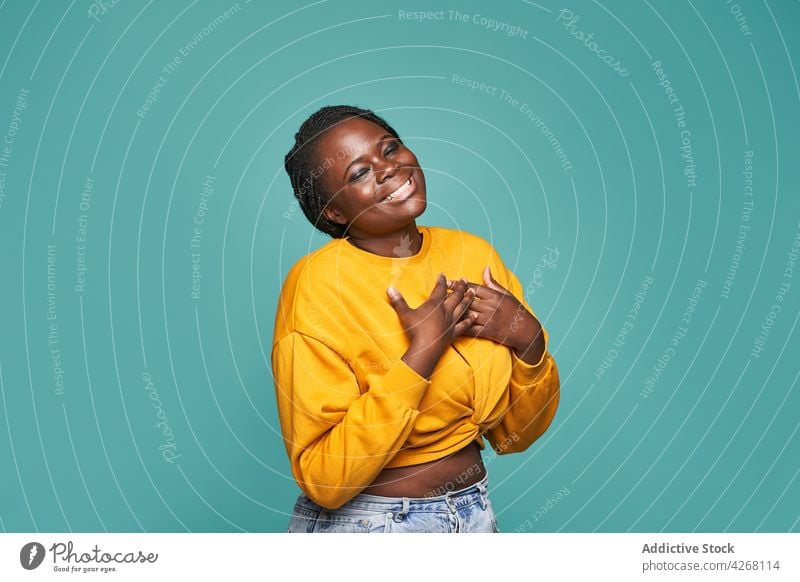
x: 304, y: 290
x: 312, y: 267
x: 477, y: 252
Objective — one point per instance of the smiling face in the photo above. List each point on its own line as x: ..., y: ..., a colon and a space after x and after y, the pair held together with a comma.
x: 374, y: 182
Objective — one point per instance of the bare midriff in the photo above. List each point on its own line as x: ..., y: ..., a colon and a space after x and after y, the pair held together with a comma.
x: 456, y: 471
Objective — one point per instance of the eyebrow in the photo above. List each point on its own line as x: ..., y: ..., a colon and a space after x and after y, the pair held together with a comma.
x: 359, y: 158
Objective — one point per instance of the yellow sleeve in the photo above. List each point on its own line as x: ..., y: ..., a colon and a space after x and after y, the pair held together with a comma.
x: 339, y: 439
x: 534, y: 389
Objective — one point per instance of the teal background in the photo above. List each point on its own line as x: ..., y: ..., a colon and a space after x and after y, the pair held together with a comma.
x: 713, y: 447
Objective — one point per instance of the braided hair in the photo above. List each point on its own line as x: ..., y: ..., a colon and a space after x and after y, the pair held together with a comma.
x: 304, y: 168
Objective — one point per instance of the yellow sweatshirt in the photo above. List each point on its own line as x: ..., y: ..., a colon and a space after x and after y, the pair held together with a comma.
x: 350, y: 406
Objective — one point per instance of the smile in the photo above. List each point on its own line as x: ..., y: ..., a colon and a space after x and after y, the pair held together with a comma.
x: 402, y: 193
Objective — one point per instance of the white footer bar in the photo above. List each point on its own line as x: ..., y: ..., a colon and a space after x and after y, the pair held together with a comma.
x: 409, y: 557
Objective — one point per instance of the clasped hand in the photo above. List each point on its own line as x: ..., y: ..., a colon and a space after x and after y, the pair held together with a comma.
x: 497, y: 314
x: 460, y: 307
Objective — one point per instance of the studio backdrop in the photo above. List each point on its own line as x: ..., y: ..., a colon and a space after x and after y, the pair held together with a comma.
x: 634, y: 163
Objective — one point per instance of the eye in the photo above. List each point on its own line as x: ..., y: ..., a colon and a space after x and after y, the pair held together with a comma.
x: 357, y: 175
x: 389, y: 149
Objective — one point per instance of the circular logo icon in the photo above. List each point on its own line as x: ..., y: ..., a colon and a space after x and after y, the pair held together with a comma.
x: 31, y: 555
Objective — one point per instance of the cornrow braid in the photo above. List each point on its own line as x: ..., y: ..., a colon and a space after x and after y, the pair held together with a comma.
x: 304, y: 169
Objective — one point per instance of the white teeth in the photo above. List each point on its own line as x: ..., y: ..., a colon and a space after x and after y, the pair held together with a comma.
x: 396, y: 193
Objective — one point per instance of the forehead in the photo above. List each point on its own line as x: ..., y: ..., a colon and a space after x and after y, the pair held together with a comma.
x: 349, y: 139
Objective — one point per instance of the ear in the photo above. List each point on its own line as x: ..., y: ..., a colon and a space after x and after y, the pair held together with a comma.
x: 333, y: 215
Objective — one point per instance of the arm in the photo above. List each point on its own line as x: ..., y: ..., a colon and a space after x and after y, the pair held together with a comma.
x: 534, y: 386
x: 337, y: 438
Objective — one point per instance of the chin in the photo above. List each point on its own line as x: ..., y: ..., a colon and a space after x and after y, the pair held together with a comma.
x: 419, y: 206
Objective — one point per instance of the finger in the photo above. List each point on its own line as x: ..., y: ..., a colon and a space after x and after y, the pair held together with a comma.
x: 455, y: 297
x: 397, y: 300
x: 464, y: 327
x: 488, y: 304
x: 440, y: 288
x: 477, y: 318
x: 471, y: 331
x: 482, y: 291
x: 451, y: 283
x: 489, y: 281
x: 464, y: 304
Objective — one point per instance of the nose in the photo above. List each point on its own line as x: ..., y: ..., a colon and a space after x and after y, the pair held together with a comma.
x: 387, y: 172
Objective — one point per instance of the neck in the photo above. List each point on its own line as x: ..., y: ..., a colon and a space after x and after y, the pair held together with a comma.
x: 402, y: 243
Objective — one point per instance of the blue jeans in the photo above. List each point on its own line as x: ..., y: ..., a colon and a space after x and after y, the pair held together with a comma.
x: 463, y: 510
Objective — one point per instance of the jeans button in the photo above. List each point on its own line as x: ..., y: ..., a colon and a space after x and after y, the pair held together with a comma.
x: 389, y: 514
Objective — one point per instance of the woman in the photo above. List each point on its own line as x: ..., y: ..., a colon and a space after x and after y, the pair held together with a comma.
x: 383, y: 406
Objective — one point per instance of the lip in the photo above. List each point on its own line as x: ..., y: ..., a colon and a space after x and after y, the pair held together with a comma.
x: 406, y: 190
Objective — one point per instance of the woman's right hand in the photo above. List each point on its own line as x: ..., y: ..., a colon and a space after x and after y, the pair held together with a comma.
x: 433, y: 325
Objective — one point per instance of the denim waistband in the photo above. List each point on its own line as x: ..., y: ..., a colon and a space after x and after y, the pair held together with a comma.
x: 448, y: 502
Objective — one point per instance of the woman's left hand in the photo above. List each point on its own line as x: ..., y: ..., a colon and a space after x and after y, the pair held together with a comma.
x: 499, y: 316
